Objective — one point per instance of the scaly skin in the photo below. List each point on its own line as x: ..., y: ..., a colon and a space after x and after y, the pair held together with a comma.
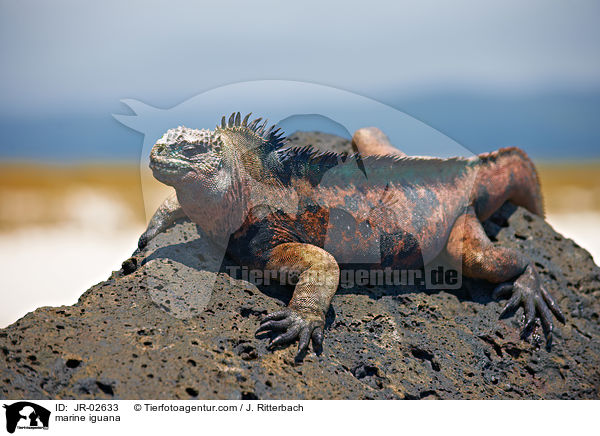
x: 294, y: 210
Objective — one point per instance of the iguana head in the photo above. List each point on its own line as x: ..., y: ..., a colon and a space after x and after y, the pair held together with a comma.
x: 186, y: 155
x: 214, y: 171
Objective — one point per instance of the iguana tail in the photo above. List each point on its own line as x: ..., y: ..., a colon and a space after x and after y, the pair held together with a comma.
x: 506, y: 175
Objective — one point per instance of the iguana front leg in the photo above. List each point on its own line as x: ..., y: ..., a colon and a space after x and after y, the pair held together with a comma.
x: 318, y: 279
x: 164, y: 217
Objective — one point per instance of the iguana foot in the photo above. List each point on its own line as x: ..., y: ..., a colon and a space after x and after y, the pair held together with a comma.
x: 295, y: 325
x: 528, y: 291
x: 146, y: 237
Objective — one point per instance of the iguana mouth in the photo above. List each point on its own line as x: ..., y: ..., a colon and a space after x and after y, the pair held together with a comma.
x: 163, y: 163
x: 169, y: 166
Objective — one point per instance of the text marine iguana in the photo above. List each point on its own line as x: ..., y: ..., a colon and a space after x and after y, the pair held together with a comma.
x: 275, y: 208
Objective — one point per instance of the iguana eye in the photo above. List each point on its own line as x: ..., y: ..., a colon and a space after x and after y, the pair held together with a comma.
x: 188, y: 150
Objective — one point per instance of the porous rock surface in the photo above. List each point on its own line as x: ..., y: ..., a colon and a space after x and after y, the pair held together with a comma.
x: 159, y: 329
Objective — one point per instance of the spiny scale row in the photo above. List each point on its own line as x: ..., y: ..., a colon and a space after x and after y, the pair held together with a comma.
x: 235, y: 120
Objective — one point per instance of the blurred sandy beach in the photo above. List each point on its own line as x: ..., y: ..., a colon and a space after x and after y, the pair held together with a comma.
x: 572, y: 199
x: 63, y: 229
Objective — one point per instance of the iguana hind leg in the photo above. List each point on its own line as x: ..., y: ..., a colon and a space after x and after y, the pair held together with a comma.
x: 506, y: 175
x: 469, y: 247
x: 318, y: 278
x: 370, y: 141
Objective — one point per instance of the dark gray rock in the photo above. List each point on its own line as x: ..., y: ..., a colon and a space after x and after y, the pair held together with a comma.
x: 172, y: 324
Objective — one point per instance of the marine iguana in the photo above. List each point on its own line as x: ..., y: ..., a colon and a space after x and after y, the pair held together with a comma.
x: 273, y: 207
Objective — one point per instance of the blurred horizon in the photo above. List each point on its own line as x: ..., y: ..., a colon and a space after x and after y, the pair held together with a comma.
x: 548, y: 126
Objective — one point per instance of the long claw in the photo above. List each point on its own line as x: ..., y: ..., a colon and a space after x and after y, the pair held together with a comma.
x: 501, y: 290
x: 285, y: 337
x: 275, y: 316
x: 529, y: 317
x: 274, y: 325
x: 317, y: 337
x: 546, y: 319
x: 553, y: 305
x: 512, y: 304
x: 304, y: 340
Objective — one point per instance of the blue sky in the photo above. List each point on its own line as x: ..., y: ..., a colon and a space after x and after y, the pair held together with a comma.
x: 487, y: 74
